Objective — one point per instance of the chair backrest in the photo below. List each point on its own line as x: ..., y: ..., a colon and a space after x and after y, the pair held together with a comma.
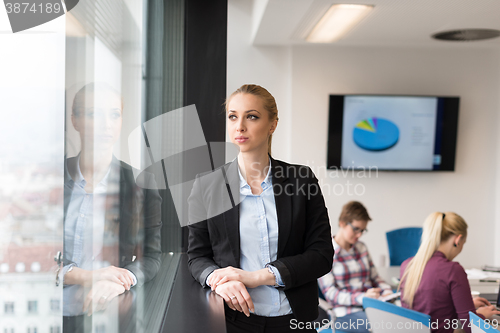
x: 388, y: 318
x: 478, y: 325
x: 403, y: 243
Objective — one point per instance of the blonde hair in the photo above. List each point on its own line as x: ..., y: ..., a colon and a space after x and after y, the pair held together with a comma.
x: 79, y: 101
x: 267, y: 99
x: 438, y: 227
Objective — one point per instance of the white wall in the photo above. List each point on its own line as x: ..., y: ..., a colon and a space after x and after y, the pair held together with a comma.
x: 302, y: 77
x: 396, y: 199
x: 497, y: 194
x: 267, y: 66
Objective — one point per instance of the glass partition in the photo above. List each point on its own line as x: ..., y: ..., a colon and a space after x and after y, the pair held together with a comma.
x: 31, y: 176
x: 89, y: 237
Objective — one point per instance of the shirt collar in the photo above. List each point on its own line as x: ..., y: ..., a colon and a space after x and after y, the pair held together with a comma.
x: 265, y: 184
x: 439, y: 254
x: 75, y: 166
x: 337, y: 248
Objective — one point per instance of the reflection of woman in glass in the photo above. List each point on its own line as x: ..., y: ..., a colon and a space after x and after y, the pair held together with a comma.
x: 111, y: 227
x: 262, y: 256
x: 434, y: 284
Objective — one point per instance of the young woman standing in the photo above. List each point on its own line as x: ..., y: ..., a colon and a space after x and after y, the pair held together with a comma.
x: 265, y: 252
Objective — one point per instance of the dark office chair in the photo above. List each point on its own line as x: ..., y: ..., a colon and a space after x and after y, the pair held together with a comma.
x: 403, y: 243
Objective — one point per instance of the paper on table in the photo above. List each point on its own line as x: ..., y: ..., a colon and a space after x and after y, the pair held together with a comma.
x: 389, y: 297
x: 475, y: 273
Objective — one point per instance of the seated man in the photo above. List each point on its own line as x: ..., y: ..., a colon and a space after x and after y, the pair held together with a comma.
x: 353, y: 275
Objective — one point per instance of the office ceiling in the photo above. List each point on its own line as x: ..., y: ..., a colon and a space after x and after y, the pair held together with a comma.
x: 391, y: 22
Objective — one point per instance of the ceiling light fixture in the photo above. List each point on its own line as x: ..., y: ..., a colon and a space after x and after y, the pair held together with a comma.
x: 337, y: 21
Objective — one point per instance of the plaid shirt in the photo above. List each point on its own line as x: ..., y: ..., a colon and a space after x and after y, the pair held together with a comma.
x: 352, y: 274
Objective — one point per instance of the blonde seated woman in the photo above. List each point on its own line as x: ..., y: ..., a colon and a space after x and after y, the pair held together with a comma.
x: 432, y: 283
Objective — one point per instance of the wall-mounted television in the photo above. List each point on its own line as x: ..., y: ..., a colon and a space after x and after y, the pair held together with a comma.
x: 390, y: 132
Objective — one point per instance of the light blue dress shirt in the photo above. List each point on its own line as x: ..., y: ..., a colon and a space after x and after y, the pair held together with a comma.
x: 259, y: 245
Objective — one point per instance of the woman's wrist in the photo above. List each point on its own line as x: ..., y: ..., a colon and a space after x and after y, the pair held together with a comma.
x: 78, y: 276
x: 262, y: 277
x: 265, y: 277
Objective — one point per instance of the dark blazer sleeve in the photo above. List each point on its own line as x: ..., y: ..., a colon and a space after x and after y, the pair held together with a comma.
x: 147, y: 242
x: 200, y: 253
x: 315, y: 259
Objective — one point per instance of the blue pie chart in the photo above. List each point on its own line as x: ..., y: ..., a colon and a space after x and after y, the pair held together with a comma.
x: 375, y: 134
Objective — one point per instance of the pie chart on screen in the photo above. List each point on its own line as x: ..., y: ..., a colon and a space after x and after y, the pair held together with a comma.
x: 375, y: 134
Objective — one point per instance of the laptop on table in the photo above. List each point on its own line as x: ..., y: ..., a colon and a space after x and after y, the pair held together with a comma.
x: 493, y: 298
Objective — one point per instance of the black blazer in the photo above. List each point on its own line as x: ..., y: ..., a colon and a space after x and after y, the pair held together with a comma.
x: 132, y: 221
x: 305, y: 250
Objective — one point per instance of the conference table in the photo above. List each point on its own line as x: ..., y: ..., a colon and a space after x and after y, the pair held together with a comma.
x: 482, y: 284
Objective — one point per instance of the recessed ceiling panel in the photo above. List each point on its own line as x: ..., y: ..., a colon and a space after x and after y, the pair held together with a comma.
x: 391, y: 22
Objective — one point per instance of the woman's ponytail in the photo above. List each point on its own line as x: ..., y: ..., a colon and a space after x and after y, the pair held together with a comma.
x: 438, y: 227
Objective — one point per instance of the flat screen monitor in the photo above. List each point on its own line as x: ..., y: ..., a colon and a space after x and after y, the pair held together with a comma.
x: 399, y: 133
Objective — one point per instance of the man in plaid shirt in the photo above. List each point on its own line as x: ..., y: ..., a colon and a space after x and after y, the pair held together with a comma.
x: 353, y: 275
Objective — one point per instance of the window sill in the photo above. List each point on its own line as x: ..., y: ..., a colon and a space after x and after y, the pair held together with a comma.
x: 192, y: 308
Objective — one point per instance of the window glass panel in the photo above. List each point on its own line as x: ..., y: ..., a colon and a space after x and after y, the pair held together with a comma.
x: 32, y: 94
x: 55, y: 305
x: 9, y: 307
x: 32, y: 306
x: 111, y: 226
x: 77, y: 197
x: 115, y: 208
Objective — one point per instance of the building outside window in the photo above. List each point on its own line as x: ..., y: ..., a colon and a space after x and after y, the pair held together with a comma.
x: 9, y: 308
x: 32, y: 307
x: 55, y: 329
x: 100, y: 329
x: 55, y: 305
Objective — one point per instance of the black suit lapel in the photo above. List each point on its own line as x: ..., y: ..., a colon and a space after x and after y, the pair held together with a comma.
x: 68, y: 189
x: 283, y: 203
x: 116, y: 192
x: 118, y: 201
x: 232, y: 216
